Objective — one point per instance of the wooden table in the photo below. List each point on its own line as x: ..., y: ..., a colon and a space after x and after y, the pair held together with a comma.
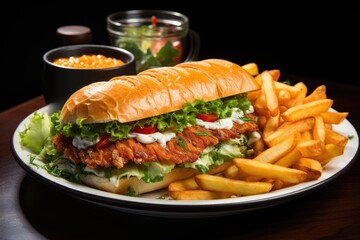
x: 32, y: 210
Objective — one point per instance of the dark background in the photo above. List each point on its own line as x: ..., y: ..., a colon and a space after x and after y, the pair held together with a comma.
x: 313, y: 39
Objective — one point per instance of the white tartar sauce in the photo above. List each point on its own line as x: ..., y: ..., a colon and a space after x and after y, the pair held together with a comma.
x: 251, y: 109
x: 225, y: 123
x: 159, y: 137
x: 82, y: 143
x: 253, y: 137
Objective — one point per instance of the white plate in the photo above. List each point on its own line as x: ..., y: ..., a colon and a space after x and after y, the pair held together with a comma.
x: 154, y: 205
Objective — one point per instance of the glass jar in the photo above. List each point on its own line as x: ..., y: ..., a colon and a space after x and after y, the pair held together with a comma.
x: 156, y: 37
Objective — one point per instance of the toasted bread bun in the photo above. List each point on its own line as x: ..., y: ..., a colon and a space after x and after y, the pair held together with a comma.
x: 156, y: 91
x: 138, y: 186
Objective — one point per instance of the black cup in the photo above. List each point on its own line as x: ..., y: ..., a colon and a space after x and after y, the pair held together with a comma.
x: 60, y: 82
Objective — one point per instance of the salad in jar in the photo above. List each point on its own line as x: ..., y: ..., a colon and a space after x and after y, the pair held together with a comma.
x: 152, y: 45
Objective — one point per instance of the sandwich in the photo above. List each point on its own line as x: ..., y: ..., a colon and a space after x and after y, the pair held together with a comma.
x: 138, y: 133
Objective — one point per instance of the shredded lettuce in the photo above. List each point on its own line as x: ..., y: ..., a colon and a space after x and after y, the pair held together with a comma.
x: 222, y: 152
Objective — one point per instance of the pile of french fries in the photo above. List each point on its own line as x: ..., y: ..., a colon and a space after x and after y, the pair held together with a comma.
x: 297, y: 141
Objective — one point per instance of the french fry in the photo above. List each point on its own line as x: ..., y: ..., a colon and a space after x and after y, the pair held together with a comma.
x: 328, y: 125
x: 331, y: 151
x: 198, y: 195
x: 220, y: 168
x: 253, y: 95
x: 319, y: 128
x: 275, y: 74
x: 283, y: 96
x: 251, y: 68
x: 251, y: 178
x: 297, y: 100
x: 258, y: 78
x: 287, y: 129
x: 260, y: 105
x: 311, y: 148
x: 186, y: 184
x: 273, y: 154
x: 306, y: 135
x: 317, y: 94
x: 270, y: 94
x: 262, y: 121
x: 334, y: 117
x: 277, y: 184
x: 289, y: 159
x: 268, y: 170
x: 312, y: 167
x: 294, y: 91
x: 237, y: 187
x: 298, y: 137
x: 282, y: 108
x: 234, y: 172
x: 306, y: 110
x: 259, y: 147
x: 271, y: 125
x: 335, y: 138
x: 231, y: 172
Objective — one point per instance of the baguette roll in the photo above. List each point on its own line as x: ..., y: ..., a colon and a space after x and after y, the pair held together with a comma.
x: 156, y: 91
x: 139, y: 187
x: 122, y: 186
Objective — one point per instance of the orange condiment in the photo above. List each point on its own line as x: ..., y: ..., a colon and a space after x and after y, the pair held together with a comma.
x: 89, y: 61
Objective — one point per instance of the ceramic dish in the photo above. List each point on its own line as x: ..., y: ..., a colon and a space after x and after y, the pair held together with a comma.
x: 158, y: 204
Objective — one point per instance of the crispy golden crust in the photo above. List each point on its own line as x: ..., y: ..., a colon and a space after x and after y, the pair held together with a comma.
x: 156, y: 91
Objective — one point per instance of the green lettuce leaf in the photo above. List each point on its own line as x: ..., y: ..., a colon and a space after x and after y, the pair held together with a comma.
x: 166, y: 54
x: 222, y: 152
x: 36, y: 133
x: 177, y: 120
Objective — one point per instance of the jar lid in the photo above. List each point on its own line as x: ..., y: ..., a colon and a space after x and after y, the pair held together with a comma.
x: 74, y: 34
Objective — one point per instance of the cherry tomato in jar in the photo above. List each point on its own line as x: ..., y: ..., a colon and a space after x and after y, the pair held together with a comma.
x: 207, y: 117
x: 144, y: 130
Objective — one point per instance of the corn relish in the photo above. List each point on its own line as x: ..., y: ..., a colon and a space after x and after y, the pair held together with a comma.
x: 89, y: 61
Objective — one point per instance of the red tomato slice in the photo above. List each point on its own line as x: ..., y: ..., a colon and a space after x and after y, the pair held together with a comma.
x: 157, y: 46
x: 176, y: 44
x: 144, y: 130
x: 103, y: 140
x: 210, y: 117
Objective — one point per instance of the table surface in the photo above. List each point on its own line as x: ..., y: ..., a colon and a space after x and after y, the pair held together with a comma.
x: 30, y: 209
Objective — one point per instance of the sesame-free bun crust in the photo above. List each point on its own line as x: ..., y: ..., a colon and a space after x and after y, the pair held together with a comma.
x: 156, y: 91
x: 138, y: 186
